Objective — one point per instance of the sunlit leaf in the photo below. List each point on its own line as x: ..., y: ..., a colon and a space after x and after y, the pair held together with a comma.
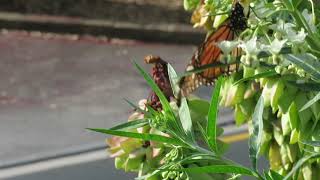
x: 257, y: 135
x: 213, y: 115
x: 174, y: 80
x: 185, y: 119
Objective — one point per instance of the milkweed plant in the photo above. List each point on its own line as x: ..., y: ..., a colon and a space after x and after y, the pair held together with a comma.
x: 276, y: 92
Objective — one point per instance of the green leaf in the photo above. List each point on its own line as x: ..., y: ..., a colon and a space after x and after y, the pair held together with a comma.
x: 156, y: 89
x: 131, y: 124
x: 311, y: 143
x: 312, y: 101
x: 185, y: 119
x: 255, y: 140
x: 213, y: 115
x: 275, y: 176
x: 219, y: 169
x: 143, y: 136
x: 307, y: 62
x: 301, y: 162
x: 203, y: 133
x: 190, y: 4
x: 306, y: 86
x: 257, y: 76
x: 174, y: 80
x: 199, y: 106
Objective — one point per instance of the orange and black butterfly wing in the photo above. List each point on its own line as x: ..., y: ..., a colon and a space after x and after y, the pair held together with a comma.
x: 207, y: 53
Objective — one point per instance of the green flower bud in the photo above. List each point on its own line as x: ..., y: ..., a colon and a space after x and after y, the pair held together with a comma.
x: 294, y: 136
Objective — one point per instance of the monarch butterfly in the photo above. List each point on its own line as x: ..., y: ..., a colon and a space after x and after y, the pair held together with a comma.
x: 209, y: 52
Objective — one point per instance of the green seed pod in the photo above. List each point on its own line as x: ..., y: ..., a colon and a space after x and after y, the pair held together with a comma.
x: 275, y: 157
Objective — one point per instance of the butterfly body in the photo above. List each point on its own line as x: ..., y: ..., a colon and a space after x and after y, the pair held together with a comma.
x: 209, y: 53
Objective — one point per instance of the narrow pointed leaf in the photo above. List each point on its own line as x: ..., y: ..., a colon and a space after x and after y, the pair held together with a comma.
x: 300, y: 163
x: 213, y: 116
x: 143, y: 136
x: 185, y: 119
x: 255, y: 140
x: 311, y: 143
x: 257, y: 76
x: 312, y: 101
x: 131, y: 124
x: 174, y: 80
x: 306, y: 86
x: 307, y: 62
x: 219, y: 169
